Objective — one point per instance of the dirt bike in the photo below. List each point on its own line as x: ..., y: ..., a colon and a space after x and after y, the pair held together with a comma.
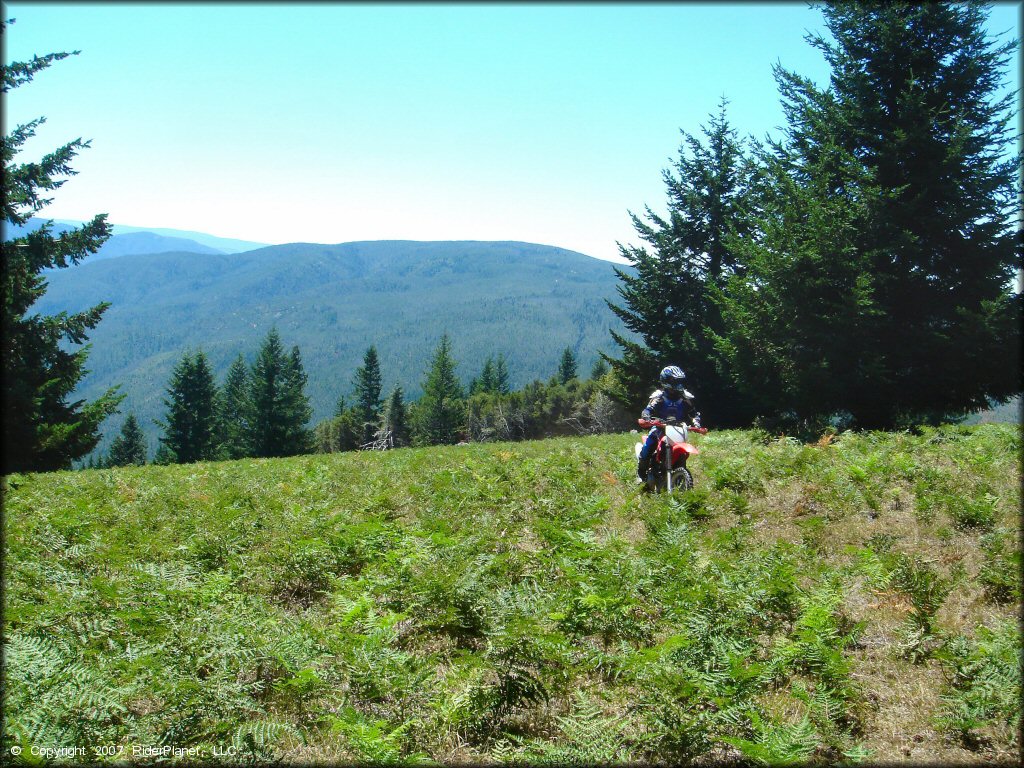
x: 668, y: 464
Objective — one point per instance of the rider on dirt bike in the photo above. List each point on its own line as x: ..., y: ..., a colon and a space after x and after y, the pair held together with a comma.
x: 669, y: 402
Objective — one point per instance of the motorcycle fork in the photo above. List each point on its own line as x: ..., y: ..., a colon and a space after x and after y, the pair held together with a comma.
x: 668, y: 466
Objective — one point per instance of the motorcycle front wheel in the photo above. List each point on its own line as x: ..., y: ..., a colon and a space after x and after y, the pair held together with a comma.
x: 682, y: 480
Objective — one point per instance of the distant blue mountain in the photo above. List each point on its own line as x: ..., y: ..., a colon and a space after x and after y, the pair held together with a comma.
x: 135, y: 241
x: 140, y: 243
x: 218, y: 244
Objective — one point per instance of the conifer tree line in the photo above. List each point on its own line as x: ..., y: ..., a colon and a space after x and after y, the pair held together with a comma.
x: 858, y: 271
x: 261, y: 410
x: 485, y: 410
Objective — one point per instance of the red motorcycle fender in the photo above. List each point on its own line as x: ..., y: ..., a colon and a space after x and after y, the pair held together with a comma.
x: 680, y: 451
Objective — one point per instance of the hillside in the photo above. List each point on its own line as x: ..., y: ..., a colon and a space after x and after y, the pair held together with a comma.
x: 528, y: 302
x: 126, y: 241
x: 851, y: 600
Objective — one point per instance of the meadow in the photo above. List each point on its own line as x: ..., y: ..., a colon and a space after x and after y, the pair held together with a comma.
x: 854, y: 599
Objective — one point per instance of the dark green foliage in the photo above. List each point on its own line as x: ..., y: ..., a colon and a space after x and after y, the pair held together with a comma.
x: 341, y: 433
x: 340, y: 407
x: 234, y: 411
x: 501, y: 375
x: 280, y: 408
x: 439, y: 416
x: 396, y: 418
x: 486, y: 381
x: 545, y: 410
x: 190, y: 423
x: 669, y: 301
x: 567, y: 366
x: 42, y: 429
x: 493, y: 377
x: 804, y: 289
x: 129, y: 447
x: 880, y: 284
x: 366, y: 392
x: 599, y: 369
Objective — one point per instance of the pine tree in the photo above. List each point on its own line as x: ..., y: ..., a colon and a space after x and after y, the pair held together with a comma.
x: 501, y: 383
x: 670, y: 301
x: 280, y: 408
x: 42, y: 430
x: 567, y: 366
x: 396, y: 418
x: 599, y: 369
x: 297, y: 406
x: 485, y: 382
x: 129, y: 447
x: 790, y: 314
x: 266, y: 433
x: 235, y: 411
x: 190, y: 426
x: 367, y: 387
x: 907, y: 147
x: 441, y: 412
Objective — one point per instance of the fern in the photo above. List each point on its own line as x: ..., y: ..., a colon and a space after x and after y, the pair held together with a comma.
x: 587, y: 736
x: 173, y: 575
x: 372, y: 740
x: 985, y: 684
x: 777, y: 743
x: 258, y: 739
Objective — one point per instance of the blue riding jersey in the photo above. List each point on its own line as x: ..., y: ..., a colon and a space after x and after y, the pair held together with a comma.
x: 664, y: 407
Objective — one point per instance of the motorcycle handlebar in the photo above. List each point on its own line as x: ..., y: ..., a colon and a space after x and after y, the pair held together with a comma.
x: 646, y: 423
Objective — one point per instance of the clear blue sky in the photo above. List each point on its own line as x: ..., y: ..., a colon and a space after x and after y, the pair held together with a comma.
x: 337, y: 122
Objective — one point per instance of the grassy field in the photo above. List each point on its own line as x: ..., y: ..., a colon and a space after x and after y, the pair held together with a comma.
x: 855, y: 599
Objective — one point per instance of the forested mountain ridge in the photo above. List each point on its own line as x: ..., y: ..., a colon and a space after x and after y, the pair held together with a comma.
x: 526, y: 301
x: 134, y: 241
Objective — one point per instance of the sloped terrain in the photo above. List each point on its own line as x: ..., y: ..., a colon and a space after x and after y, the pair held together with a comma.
x: 855, y: 599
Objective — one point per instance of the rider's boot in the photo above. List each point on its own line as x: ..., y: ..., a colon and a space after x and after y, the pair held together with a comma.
x: 643, y: 466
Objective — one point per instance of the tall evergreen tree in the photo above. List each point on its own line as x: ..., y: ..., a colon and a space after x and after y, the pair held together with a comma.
x: 280, y: 408
x: 670, y: 300
x: 42, y: 428
x: 235, y: 411
x: 129, y: 447
x: 441, y: 412
x: 789, y: 315
x: 297, y: 406
x: 340, y: 407
x: 367, y: 387
x: 395, y: 418
x: 908, y: 147
x: 485, y: 383
x: 567, y: 366
x: 501, y: 383
x: 190, y: 426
